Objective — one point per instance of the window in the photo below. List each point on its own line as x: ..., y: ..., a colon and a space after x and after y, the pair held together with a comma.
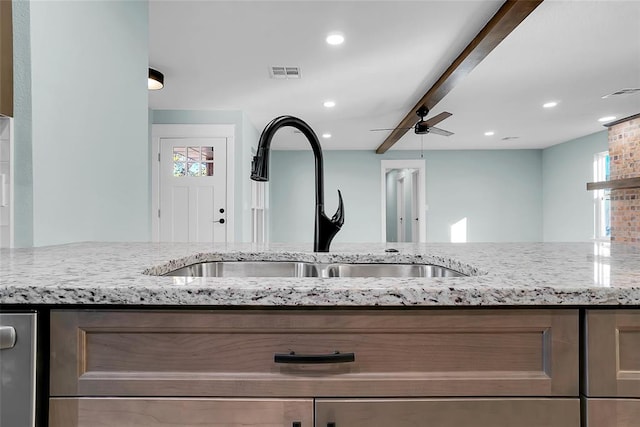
x: 601, y: 198
x: 192, y: 161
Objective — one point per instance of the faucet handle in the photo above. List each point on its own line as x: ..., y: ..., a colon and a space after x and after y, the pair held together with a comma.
x: 338, y: 217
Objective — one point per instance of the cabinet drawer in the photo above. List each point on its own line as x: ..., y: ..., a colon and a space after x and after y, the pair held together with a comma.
x: 613, y: 412
x: 397, y: 353
x: 613, y: 353
x: 147, y: 412
x: 556, y: 412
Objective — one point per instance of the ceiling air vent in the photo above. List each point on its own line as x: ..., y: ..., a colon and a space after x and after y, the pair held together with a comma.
x: 628, y: 91
x: 510, y: 138
x: 278, y: 72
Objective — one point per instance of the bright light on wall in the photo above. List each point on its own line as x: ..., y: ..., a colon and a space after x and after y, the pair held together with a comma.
x: 459, y: 231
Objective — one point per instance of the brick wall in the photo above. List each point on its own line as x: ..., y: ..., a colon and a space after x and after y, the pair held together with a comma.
x: 624, y: 152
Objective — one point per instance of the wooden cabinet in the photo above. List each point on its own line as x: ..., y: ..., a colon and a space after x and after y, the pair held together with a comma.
x: 612, y: 412
x: 613, y: 353
x: 191, y: 356
x: 148, y: 412
x: 612, y: 386
x: 448, y: 412
x: 6, y: 59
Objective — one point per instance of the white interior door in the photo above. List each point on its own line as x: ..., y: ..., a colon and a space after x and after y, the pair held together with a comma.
x: 401, y: 211
x: 415, y: 214
x: 193, y: 183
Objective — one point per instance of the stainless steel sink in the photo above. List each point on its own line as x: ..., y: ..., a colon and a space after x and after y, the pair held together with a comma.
x: 247, y: 269
x: 308, y: 269
x: 390, y: 270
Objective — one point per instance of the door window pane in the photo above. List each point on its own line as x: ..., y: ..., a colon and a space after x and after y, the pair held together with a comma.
x: 193, y: 161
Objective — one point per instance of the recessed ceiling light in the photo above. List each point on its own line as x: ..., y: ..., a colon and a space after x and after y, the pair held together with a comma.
x: 335, y: 39
x: 329, y: 104
x: 606, y: 119
x: 550, y: 104
x: 490, y: 133
x: 326, y: 135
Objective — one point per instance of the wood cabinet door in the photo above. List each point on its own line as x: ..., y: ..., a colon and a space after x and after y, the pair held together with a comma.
x: 168, y: 412
x: 232, y: 353
x: 613, y: 412
x: 448, y: 412
x: 613, y: 353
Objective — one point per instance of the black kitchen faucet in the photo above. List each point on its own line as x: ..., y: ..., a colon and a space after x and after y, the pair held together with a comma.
x: 325, y: 228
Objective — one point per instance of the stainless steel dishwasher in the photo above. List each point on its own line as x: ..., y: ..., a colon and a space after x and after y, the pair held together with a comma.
x: 17, y: 369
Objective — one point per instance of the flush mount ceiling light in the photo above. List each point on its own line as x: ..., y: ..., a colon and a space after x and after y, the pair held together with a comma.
x: 489, y: 133
x: 156, y: 79
x: 606, y: 118
x: 335, y: 39
x: 329, y: 104
x: 326, y: 135
x: 550, y: 104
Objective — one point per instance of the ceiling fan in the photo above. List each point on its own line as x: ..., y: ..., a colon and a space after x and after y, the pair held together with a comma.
x: 427, y: 126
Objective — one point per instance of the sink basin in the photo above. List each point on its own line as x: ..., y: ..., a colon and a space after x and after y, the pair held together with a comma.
x: 308, y: 269
x: 247, y: 269
x: 390, y: 270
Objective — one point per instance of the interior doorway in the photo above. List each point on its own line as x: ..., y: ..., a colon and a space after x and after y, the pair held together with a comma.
x: 403, y: 201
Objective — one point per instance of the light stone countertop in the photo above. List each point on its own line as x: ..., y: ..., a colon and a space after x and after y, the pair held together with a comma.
x: 500, y: 274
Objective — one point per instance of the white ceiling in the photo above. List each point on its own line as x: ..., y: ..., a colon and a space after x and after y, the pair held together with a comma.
x: 216, y: 54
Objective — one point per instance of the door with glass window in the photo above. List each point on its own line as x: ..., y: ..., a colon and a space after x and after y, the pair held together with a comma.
x: 193, y: 181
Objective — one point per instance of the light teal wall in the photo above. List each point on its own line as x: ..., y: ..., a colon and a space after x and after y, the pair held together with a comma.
x: 246, y: 138
x: 89, y: 140
x: 499, y: 192
x: 250, y: 136
x: 568, y: 206
x: 23, y: 172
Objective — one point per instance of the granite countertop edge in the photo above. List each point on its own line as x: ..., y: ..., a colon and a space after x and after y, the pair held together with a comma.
x: 523, y: 274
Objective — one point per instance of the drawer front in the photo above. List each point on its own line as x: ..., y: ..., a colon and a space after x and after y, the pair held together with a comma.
x: 147, y: 412
x: 556, y: 412
x: 231, y: 353
x: 613, y: 412
x: 613, y: 353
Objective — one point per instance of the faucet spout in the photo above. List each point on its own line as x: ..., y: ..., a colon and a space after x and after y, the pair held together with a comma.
x: 325, y: 228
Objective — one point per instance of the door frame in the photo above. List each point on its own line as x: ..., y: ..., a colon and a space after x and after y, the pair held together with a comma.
x: 173, y: 131
x: 420, y: 166
x: 401, y: 208
x: 415, y: 211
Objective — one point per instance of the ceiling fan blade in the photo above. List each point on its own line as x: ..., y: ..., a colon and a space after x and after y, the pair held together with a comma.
x: 439, y: 131
x: 437, y: 119
x: 374, y: 130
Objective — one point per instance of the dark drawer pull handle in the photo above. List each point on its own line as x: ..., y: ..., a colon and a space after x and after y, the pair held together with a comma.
x: 331, y: 424
x: 296, y: 424
x: 336, y: 357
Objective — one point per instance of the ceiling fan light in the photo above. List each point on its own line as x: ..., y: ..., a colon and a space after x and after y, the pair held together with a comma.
x: 156, y: 80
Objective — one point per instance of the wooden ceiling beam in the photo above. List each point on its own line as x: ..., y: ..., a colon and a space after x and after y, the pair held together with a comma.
x: 506, y: 19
